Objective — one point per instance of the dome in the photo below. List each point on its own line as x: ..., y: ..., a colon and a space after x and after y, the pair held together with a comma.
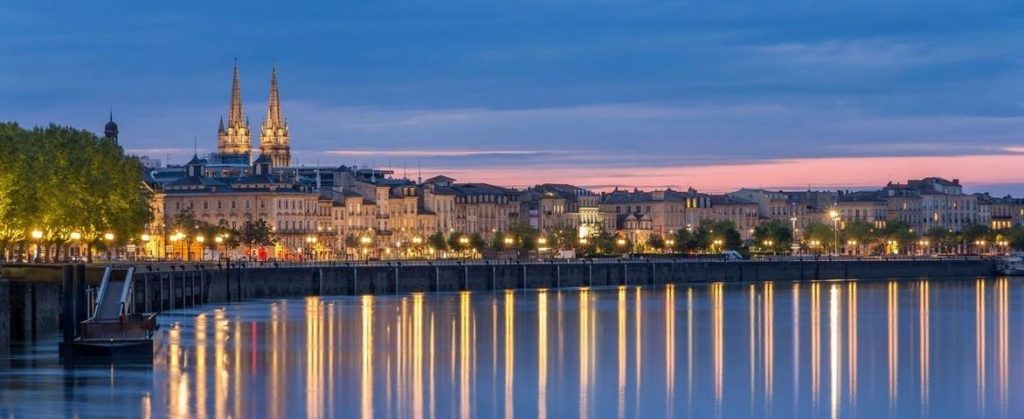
x: 111, y: 126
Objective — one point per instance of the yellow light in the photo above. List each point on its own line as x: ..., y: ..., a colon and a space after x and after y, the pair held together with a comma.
x: 833, y: 214
x: 200, y: 239
x: 364, y: 240
x: 417, y: 240
x: 36, y: 234
x: 621, y: 242
x: 463, y: 239
x: 145, y: 237
x: 508, y: 240
x: 218, y: 239
x: 583, y: 240
x: 542, y: 240
x: 76, y: 235
x: 108, y: 236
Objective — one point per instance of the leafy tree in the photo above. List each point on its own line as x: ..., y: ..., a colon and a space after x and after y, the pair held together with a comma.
x: 498, y: 241
x: 723, y: 231
x: 686, y: 241
x: 476, y: 241
x: 563, y: 237
x: 819, y: 237
x: 257, y: 233
x: 773, y: 235
x: 863, y: 234
x: 101, y: 189
x: 455, y: 243
x: 899, y: 233
x: 942, y: 238
x: 656, y: 242
x: 437, y: 241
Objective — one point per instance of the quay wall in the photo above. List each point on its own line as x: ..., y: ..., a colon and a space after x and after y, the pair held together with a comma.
x: 30, y: 297
x: 168, y: 290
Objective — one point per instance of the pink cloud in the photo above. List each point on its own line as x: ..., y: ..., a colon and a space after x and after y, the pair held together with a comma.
x: 784, y: 173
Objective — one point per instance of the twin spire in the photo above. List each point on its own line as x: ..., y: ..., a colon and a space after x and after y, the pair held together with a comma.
x: 235, y: 139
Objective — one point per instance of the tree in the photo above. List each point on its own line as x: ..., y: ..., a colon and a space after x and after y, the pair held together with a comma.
x: 498, y: 241
x: 455, y: 242
x: 257, y: 233
x: 101, y: 189
x: 656, y: 242
x: 860, y: 235
x: 437, y: 241
x: 942, y: 238
x: 897, y: 235
x: 773, y: 235
x: 819, y: 237
x: 979, y: 236
x: 717, y: 235
x: 686, y: 241
x: 477, y: 242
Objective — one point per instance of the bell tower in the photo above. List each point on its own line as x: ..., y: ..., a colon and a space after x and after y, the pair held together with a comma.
x: 274, y: 137
x: 235, y: 138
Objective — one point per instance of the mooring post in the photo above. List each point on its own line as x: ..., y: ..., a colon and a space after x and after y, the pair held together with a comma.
x: 67, y: 317
x: 465, y: 277
x: 524, y: 276
x: 494, y: 280
x: 558, y: 276
x: 396, y: 280
x: 321, y: 277
x: 81, y: 308
x: 355, y: 281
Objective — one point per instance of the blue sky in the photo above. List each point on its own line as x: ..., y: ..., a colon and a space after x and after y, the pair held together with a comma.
x: 646, y: 93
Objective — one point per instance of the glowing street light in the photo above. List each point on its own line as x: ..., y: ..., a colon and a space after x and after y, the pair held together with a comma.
x: 108, y: 237
x: 76, y: 235
x: 36, y: 234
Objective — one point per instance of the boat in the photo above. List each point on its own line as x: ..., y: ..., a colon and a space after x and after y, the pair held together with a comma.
x: 1012, y: 265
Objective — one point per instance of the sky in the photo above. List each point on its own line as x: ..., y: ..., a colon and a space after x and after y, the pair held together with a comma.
x: 602, y: 94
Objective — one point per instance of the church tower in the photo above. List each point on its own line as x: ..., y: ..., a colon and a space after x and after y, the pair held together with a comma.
x: 274, y: 138
x: 110, y: 130
x: 235, y: 139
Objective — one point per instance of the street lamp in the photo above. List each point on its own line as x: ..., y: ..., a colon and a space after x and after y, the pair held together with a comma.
x: 108, y: 237
x: 37, y: 236
x: 835, y: 228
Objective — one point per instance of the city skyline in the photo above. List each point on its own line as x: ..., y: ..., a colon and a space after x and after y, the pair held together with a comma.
x: 653, y: 98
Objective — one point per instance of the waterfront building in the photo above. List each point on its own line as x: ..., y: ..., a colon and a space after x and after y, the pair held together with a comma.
x: 937, y: 201
x: 295, y: 211
x: 551, y: 205
x: 863, y: 206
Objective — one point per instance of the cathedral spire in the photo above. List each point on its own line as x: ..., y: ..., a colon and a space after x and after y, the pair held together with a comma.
x: 274, y: 103
x: 236, y: 114
x: 274, y: 137
x: 234, y: 140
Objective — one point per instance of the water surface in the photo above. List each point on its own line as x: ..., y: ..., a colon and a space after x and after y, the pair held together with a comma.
x: 812, y: 349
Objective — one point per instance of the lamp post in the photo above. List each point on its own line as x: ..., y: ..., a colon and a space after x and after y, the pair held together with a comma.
x: 109, y: 238
x: 202, y: 246
x: 145, y: 244
x: 835, y: 229
x: 76, y: 236
x: 217, y: 242
x: 37, y: 236
x: 365, y: 242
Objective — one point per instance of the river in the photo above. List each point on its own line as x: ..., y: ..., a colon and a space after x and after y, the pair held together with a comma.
x: 810, y: 349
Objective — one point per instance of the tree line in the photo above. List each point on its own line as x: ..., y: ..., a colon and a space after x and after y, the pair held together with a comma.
x: 61, y: 186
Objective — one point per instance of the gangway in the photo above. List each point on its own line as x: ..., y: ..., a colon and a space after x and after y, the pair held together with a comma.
x: 113, y: 329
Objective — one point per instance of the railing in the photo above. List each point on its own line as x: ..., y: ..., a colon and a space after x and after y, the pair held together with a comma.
x: 127, y: 294
x: 94, y: 306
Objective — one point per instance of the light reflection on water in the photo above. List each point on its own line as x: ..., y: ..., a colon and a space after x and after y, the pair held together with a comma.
x: 823, y: 349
